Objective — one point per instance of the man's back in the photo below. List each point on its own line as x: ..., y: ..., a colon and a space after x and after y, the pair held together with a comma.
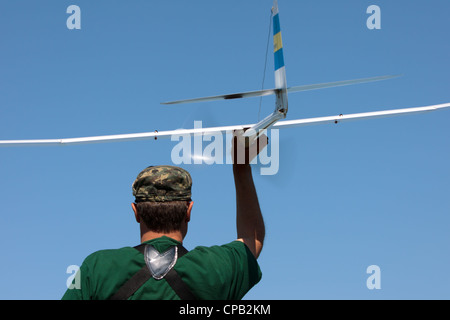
x: 212, y: 273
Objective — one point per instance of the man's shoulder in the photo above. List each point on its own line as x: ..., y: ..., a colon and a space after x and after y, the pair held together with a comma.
x: 234, y: 246
x: 111, y: 254
x: 229, y: 253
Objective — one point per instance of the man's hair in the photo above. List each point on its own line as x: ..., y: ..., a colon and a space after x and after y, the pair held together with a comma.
x: 163, y: 216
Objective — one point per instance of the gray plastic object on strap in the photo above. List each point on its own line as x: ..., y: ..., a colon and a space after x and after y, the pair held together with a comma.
x: 160, y: 264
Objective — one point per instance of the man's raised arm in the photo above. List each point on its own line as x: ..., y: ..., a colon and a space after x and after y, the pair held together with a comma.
x: 249, y: 220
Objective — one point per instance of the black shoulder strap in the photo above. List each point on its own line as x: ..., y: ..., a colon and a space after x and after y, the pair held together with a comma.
x: 178, y: 285
x: 140, y: 277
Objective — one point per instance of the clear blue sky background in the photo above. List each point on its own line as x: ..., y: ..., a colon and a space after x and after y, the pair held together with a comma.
x: 347, y: 196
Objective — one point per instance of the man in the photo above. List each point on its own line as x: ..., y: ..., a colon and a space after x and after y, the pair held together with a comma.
x: 160, y: 268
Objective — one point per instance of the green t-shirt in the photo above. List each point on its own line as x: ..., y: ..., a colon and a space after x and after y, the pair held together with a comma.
x: 224, y: 272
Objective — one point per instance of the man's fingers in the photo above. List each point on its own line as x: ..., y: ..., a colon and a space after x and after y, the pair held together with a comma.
x: 244, y: 152
x: 257, y: 146
x: 262, y: 141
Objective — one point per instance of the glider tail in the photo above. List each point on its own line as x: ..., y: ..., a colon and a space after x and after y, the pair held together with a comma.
x: 280, y: 70
x: 281, y: 102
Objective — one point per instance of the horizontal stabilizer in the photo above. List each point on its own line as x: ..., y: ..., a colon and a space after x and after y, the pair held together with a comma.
x: 261, y: 93
x: 215, y: 130
x: 338, y: 83
x: 248, y: 94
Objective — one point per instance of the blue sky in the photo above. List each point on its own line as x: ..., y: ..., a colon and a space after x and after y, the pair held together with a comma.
x: 346, y: 196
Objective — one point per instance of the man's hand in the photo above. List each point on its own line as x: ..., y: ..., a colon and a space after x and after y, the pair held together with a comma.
x: 243, y: 150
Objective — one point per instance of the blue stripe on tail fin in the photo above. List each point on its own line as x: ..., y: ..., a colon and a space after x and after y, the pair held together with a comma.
x: 277, y: 40
x: 279, y: 59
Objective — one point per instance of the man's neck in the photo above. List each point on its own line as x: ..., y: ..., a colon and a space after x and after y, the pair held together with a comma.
x: 150, y: 235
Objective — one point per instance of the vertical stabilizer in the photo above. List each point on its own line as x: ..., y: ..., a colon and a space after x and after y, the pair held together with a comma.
x: 280, y: 70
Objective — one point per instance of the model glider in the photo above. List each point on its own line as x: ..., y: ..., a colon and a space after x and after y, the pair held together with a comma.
x: 252, y: 131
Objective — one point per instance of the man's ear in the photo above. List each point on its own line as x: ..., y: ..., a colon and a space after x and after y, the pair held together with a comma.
x: 136, y: 216
x: 188, y: 213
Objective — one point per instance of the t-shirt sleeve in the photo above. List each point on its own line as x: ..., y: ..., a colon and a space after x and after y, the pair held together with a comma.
x: 247, y: 272
x: 79, y: 288
x: 225, y: 272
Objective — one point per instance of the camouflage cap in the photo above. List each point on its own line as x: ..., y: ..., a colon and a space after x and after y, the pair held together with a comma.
x: 162, y: 183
